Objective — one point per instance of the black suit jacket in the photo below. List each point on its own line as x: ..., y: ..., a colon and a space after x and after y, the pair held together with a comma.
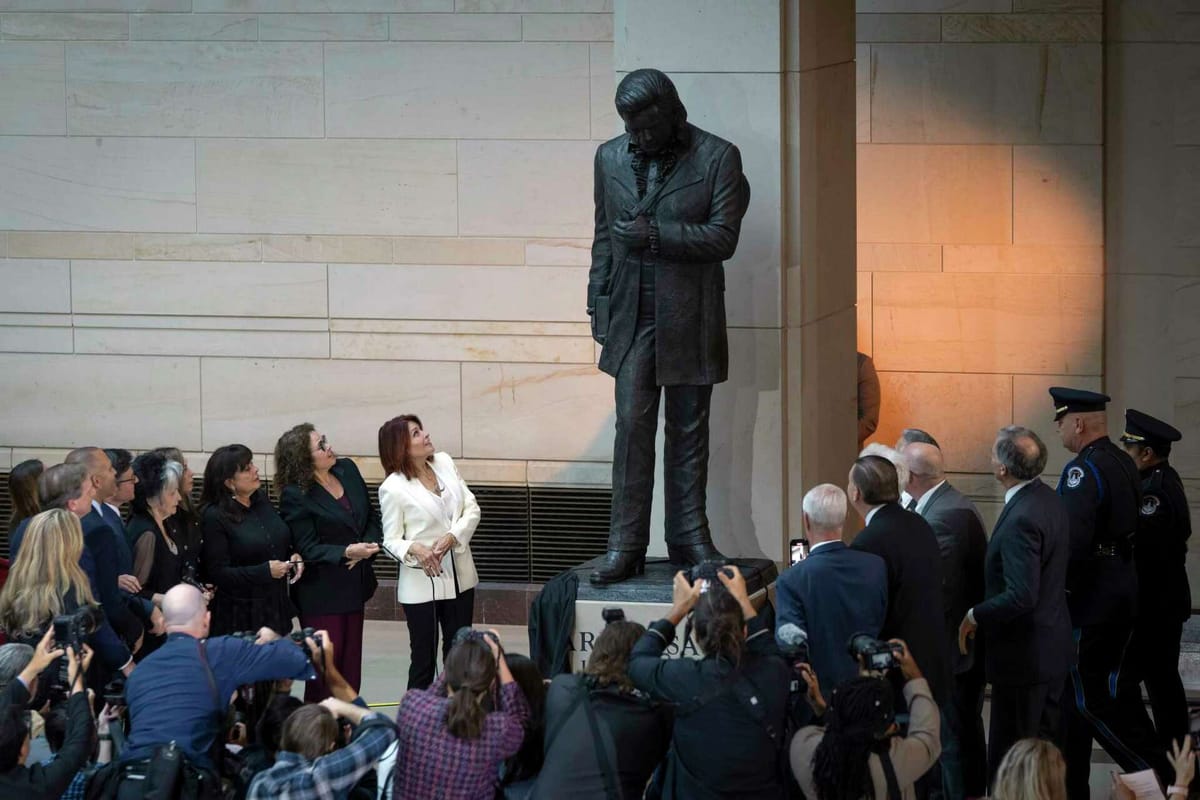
x: 321, y: 531
x: 963, y: 542
x: 1024, y: 620
x: 907, y: 545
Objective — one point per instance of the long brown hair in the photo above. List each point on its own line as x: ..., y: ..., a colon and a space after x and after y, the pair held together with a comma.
x: 719, y: 624
x: 22, y: 487
x: 609, y: 659
x: 47, y: 571
x: 394, y: 444
x: 470, y: 672
x: 293, y: 458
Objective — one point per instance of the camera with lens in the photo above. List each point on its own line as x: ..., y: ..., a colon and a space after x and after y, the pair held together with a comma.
x: 300, y: 637
x: 611, y: 615
x: 706, y: 572
x: 246, y: 636
x: 467, y: 633
x: 190, y: 578
x: 873, y: 654
x: 114, y: 691
x: 71, y: 630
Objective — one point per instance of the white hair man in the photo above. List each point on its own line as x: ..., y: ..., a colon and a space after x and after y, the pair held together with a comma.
x: 892, y: 455
x: 835, y: 592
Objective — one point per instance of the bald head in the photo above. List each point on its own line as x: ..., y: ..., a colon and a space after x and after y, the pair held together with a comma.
x: 99, y: 468
x: 185, y: 611
x: 926, y: 468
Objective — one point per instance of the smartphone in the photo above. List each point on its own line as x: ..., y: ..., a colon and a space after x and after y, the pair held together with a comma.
x: 799, y: 548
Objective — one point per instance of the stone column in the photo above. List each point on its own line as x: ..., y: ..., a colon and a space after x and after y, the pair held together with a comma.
x: 776, y: 77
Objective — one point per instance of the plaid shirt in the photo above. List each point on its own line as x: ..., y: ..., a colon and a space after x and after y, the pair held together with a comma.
x: 333, y: 776
x: 432, y: 764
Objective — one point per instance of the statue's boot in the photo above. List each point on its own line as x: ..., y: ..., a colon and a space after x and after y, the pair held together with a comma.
x: 619, y: 565
x: 688, y: 555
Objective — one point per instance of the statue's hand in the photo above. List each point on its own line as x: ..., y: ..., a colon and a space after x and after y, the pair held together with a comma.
x: 633, y: 233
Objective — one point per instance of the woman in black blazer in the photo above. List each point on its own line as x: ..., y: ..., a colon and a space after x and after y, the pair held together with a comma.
x: 248, y: 552
x: 324, y: 501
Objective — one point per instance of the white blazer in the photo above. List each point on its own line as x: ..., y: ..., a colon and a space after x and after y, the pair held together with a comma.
x: 411, y: 513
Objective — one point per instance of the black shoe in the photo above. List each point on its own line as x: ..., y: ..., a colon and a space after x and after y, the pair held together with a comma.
x: 619, y: 565
x: 689, y: 555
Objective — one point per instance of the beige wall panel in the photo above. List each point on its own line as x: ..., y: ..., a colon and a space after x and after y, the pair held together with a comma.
x: 826, y: 33
x: 454, y: 327
x: 606, y: 123
x: 1049, y: 259
x: 1058, y: 195
x: 534, y: 411
x: 862, y: 93
x: 451, y: 293
x: 6, y: 460
x: 194, y: 89
x: 558, y: 252
x: 220, y: 289
x: 1187, y: 98
x: 71, y: 244
x: 253, y: 401
x: 95, y: 5
x: 35, y: 339
x: 884, y: 257
x: 323, y: 27
x: 35, y: 285
x: 1185, y: 327
x: 1186, y: 227
x: 458, y: 90
x: 209, y: 323
x: 116, y: 184
x: 863, y: 312
x: 932, y: 6
x: 455, y: 28
x: 898, y: 28
x: 957, y: 93
x: 357, y: 249
x: 705, y: 36
x: 1187, y: 418
x: 280, y: 6
x: 506, y: 6
x: 955, y: 194
x: 1149, y: 20
x: 32, y: 89
x: 1022, y: 27
x: 138, y: 402
x: 569, y: 473
x: 65, y: 26
x: 328, y: 186
x: 1143, y: 353
x: 963, y: 412
x: 988, y: 323
x: 463, y: 347
x: 567, y: 27
x: 198, y: 247
x: 1073, y: 6
x: 1033, y: 408
x: 246, y: 344
x: 194, y: 27
x: 432, y: 250
x: 525, y: 188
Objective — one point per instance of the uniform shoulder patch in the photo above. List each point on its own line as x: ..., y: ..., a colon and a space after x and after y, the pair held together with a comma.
x: 1150, y: 505
x: 1074, y: 477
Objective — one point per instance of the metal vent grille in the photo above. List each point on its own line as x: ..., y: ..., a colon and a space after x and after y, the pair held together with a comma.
x: 525, y: 535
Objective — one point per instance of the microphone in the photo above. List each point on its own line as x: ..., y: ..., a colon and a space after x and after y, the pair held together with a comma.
x: 793, y: 641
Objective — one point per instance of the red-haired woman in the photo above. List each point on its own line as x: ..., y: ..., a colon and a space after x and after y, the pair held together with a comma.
x: 429, y: 516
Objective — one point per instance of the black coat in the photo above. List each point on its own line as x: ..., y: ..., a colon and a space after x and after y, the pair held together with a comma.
x: 962, y: 541
x: 1024, y: 621
x: 37, y: 782
x: 699, y: 210
x: 1160, y: 551
x: 907, y: 545
x: 321, y: 530
x: 236, y: 552
x: 166, y: 569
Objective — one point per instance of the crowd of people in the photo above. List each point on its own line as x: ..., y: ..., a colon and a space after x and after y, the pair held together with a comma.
x: 156, y: 655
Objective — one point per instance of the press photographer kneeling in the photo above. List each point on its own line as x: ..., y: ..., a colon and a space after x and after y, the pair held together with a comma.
x: 858, y: 753
x: 732, y: 702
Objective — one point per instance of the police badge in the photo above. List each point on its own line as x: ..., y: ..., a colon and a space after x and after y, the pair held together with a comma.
x: 1074, y: 477
x: 1149, y: 505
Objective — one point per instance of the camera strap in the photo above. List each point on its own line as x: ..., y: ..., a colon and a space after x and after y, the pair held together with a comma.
x: 216, y: 747
x: 583, y: 698
x: 889, y: 773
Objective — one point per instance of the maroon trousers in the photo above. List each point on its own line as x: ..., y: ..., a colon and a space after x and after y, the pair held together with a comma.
x: 346, y: 634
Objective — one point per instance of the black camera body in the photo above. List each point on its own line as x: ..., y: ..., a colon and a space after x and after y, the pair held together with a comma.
x: 874, y: 655
x: 466, y: 633
x: 114, y: 691
x: 706, y: 572
x: 611, y: 615
x: 245, y: 636
x: 299, y: 638
x: 72, y: 629
x: 190, y: 578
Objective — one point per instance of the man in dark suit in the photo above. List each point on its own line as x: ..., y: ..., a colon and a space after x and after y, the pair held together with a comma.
x: 1102, y: 492
x: 962, y: 540
x: 669, y: 204
x: 909, y: 549
x: 1164, y: 598
x: 1025, y: 626
x: 835, y: 592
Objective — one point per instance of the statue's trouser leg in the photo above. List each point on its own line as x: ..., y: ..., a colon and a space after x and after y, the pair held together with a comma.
x: 685, y: 464
x: 637, y: 397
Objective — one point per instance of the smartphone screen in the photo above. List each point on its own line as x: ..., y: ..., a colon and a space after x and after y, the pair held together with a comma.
x: 799, y: 548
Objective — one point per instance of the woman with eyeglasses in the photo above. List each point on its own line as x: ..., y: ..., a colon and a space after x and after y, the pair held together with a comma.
x: 429, y: 517
x: 325, y: 502
x: 248, y: 552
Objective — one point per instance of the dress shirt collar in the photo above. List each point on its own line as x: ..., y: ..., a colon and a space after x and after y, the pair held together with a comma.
x: 905, y: 499
x: 813, y: 548
x: 871, y: 513
x: 925, y: 498
x: 1014, y: 489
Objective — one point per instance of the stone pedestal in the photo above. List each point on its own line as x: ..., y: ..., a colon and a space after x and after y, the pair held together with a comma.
x: 647, y: 598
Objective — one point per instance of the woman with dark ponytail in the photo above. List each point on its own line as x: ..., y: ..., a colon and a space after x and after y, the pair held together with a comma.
x: 731, y: 703
x: 452, y: 742
x: 857, y: 754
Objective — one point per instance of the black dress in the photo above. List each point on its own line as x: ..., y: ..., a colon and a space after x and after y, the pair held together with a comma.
x: 165, y: 566
x: 235, y: 555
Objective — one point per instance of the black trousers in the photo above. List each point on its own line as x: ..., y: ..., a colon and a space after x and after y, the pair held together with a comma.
x: 1097, y: 707
x: 423, y: 620
x: 964, y: 751
x: 1152, y: 659
x: 1030, y: 711
x: 685, y: 462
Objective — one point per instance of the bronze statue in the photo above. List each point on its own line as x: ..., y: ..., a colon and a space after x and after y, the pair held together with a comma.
x: 669, y: 204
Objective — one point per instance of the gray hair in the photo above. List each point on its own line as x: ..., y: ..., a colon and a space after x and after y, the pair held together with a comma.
x: 1020, y: 451
x: 883, y: 451
x: 13, y: 659
x: 910, y: 435
x: 60, y: 484
x: 825, y: 506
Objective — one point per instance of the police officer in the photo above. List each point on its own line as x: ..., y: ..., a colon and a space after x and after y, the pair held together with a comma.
x: 1102, y: 492
x: 1164, y: 600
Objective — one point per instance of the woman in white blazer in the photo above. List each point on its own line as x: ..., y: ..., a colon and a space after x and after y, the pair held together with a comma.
x: 429, y: 516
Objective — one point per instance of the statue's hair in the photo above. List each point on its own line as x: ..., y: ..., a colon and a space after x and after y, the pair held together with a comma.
x: 643, y: 88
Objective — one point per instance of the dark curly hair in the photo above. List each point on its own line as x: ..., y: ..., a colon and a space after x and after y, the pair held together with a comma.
x: 857, y: 724
x: 155, y: 474
x: 293, y: 458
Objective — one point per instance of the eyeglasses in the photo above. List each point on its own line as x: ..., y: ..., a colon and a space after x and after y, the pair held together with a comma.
x: 323, y: 444
x: 130, y: 479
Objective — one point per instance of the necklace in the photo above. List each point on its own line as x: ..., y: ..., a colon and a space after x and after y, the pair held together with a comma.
x: 429, y: 479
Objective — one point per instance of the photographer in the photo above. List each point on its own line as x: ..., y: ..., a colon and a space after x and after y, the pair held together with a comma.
x: 181, y: 691
x: 858, y: 754
x: 731, y: 702
x: 51, y: 780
